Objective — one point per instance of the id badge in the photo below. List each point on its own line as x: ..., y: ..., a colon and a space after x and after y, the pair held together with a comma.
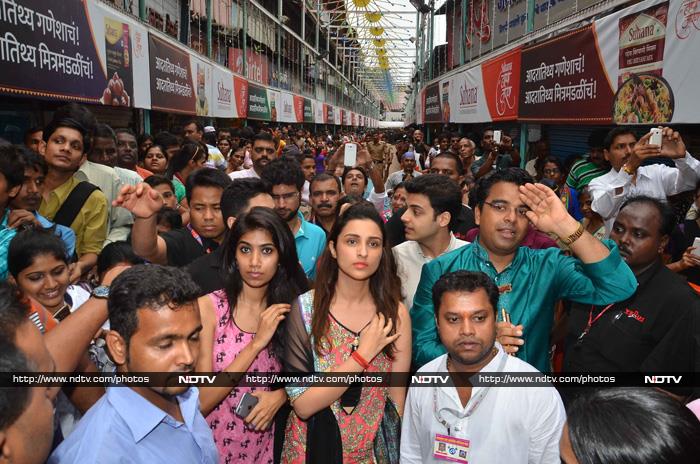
x: 452, y: 449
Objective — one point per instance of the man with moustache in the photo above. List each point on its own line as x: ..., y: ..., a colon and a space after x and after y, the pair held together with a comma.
x: 324, y: 195
x: 530, y: 281
x: 482, y: 423
x: 262, y: 152
x: 628, y: 178
x: 408, y: 172
x: 654, y: 329
x: 128, y: 153
x: 287, y: 179
x: 154, y: 327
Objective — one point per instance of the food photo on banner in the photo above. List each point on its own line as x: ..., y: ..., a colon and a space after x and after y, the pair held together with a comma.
x: 71, y: 50
x: 645, y: 39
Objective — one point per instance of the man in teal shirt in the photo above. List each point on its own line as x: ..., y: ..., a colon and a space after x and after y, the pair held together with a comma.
x: 530, y: 281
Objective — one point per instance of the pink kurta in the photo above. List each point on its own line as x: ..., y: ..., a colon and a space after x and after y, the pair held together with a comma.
x: 235, y: 442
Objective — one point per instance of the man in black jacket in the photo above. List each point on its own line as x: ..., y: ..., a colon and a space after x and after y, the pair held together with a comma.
x: 655, y: 330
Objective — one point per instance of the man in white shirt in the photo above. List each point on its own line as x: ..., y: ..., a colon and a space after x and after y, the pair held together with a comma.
x: 433, y: 204
x: 628, y: 178
x: 408, y: 172
x: 262, y: 152
x: 480, y: 424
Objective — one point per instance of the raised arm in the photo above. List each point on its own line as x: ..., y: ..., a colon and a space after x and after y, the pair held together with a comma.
x: 144, y: 203
x: 599, y: 276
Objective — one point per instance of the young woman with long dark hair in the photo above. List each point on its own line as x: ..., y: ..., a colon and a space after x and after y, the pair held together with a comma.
x: 241, y: 326
x: 352, y: 322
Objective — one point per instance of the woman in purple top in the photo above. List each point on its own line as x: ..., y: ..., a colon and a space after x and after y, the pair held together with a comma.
x: 240, y: 332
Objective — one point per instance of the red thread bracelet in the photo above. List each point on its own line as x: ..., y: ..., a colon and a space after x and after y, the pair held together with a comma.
x: 360, y: 360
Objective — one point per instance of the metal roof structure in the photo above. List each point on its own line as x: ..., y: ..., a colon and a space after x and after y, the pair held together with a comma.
x: 377, y: 38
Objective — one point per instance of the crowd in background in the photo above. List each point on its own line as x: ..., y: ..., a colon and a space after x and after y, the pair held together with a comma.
x: 279, y: 250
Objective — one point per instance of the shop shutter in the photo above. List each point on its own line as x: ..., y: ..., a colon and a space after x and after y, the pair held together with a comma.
x: 567, y: 141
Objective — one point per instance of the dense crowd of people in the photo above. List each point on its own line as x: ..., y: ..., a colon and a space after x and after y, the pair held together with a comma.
x: 231, y: 250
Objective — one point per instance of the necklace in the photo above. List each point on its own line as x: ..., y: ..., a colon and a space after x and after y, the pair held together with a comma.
x: 356, y: 340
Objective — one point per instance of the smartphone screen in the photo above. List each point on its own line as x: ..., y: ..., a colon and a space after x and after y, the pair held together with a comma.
x: 350, y: 154
x: 696, y: 245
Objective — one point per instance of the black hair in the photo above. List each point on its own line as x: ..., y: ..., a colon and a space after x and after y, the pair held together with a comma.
x: 33, y: 160
x: 31, y: 131
x: 289, y: 280
x: 155, y: 180
x: 116, y: 253
x: 143, y: 137
x: 14, y: 399
x: 323, y: 177
x: 206, y: 177
x: 238, y: 194
x: 349, y: 200
x: 632, y: 426
x: 13, y: 312
x: 443, y: 194
x: 262, y: 135
x: 73, y: 116
x: 147, y: 286
x: 667, y: 218
x: 284, y: 171
x: 170, y: 217
x: 384, y: 284
x: 457, y: 160
x: 515, y: 176
x: 200, y: 126
x: 125, y: 130
x: 11, y: 166
x: 347, y: 170
x: 401, y: 185
x: 464, y: 282
x: 103, y: 131
x: 616, y: 132
x: 28, y: 244
x: 210, y: 138
x: 190, y: 151
x: 443, y: 135
x: 165, y: 140
x: 596, y: 139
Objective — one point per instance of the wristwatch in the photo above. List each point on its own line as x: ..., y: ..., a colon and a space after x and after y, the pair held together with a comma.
x: 101, y: 291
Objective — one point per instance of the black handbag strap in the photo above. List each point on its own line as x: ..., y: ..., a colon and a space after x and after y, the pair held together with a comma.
x: 70, y: 208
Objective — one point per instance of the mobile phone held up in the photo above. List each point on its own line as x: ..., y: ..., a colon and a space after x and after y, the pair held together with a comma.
x: 696, y: 245
x: 497, y: 136
x: 246, y: 405
x: 350, y: 154
x: 656, y: 137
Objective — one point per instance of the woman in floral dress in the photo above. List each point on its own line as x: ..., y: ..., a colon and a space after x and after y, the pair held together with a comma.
x: 352, y: 322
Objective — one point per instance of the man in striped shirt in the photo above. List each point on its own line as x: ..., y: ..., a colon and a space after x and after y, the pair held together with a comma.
x: 589, y: 167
